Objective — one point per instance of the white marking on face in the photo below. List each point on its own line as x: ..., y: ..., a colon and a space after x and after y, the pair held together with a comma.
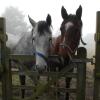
x: 68, y: 25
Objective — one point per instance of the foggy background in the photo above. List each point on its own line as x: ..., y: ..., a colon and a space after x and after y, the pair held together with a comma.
x: 16, y: 13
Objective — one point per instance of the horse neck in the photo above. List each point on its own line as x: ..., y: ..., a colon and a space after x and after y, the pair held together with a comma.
x: 56, y: 43
x: 24, y: 45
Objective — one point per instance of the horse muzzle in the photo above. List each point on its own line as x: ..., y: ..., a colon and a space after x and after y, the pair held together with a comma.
x: 41, y: 68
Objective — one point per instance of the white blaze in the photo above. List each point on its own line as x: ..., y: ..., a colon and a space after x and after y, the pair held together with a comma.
x: 68, y: 25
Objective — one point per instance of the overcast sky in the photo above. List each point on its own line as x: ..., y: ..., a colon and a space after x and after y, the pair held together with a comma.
x: 38, y: 10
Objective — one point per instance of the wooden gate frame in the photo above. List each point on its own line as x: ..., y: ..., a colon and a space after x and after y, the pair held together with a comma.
x: 97, y: 60
x: 5, y: 68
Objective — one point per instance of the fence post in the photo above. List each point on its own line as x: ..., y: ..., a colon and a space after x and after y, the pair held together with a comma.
x: 6, y: 73
x: 97, y: 60
x: 81, y: 74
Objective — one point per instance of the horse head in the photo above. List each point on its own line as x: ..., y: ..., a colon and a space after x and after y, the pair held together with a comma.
x: 71, y: 30
x: 41, y: 38
x: 70, y: 33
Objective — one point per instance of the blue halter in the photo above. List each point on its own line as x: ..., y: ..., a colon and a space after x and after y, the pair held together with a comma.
x: 41, y: 55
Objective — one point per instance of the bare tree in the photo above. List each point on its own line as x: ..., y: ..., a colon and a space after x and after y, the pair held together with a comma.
x: 15, y: 21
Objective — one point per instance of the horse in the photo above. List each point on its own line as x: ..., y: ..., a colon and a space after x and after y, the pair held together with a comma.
x: 36, y: 43
x: 67, y: 43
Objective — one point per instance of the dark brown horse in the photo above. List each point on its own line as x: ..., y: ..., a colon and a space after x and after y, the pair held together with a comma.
x: 67, y: 43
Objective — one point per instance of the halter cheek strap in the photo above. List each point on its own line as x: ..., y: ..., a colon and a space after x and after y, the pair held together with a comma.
x: 41, y: 55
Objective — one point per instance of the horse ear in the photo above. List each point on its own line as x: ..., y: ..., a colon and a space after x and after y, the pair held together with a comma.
x: 64, y: 13
x: 79, y: 12
x: 48, y: 20
x: 33, y: 23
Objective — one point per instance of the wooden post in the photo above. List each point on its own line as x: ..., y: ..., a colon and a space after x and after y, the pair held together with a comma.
x: 81, y: 76
x: 6, y: 74
x: 97, y: 60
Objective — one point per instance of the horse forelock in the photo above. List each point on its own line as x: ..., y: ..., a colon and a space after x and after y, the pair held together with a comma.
x: 42, y: 27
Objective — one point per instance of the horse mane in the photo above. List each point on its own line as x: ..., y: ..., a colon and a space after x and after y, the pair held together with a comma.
x: 24, y: 46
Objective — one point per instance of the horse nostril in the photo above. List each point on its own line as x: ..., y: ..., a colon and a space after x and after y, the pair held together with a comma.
x: 33, y: 39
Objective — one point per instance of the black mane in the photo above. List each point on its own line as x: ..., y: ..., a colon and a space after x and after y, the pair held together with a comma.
x: 43, y: 26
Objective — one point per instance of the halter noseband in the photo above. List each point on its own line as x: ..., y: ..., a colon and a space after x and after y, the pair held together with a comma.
x: 41, y: 55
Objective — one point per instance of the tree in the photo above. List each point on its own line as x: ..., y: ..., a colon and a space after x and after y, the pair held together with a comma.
x: 15, y: 22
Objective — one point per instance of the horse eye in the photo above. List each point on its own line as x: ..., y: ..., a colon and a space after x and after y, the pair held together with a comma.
x: 50, y: 38
x: 33, y: 39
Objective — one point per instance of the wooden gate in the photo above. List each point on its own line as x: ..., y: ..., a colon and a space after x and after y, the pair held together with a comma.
x: 5, y: 68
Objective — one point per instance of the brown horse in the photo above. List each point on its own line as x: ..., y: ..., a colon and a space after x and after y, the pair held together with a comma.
x: 67, y: 43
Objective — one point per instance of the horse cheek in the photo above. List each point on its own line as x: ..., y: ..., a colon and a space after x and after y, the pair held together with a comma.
x: 62, y: 52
